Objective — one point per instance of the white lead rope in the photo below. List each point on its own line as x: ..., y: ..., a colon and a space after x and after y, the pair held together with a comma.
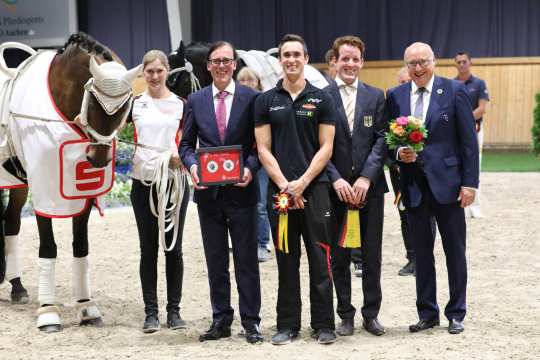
x: 170, y: 186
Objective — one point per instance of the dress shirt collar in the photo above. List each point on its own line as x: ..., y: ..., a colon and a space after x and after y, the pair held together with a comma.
x: 230, y: 89
x: 428, y: 87
x: 340, y: 83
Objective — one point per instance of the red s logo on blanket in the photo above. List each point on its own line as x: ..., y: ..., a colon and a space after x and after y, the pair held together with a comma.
x: 88, y: 178
x: 78, y: 178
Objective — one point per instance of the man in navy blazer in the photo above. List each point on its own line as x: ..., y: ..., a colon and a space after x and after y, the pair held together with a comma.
x: 356, y: 173
x: 440, y: 181
x: 217, y: 115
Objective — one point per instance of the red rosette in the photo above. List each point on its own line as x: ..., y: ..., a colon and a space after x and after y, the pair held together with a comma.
x: 282, y: 202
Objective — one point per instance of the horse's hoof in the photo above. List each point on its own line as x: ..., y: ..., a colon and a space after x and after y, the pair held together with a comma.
x: 20, y: 298
x: 93, y: 322
x: 50, y: 329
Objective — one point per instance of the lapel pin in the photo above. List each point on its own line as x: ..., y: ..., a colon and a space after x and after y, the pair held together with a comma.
x: 439, y: 91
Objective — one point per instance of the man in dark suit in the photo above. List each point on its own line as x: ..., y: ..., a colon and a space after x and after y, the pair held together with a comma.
x: 356, y: 172
x: 222, y: 114
x: 440, y: 181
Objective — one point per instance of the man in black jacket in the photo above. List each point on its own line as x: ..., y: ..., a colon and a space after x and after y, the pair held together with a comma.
x: 356, y: 172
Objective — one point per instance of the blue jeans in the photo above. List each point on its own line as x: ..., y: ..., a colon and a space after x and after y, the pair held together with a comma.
x: 263, y: 225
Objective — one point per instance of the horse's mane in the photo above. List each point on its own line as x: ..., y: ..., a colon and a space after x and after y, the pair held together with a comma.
x: 89, y: 44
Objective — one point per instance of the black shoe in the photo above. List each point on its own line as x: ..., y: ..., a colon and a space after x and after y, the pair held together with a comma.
x: 455, y: 327
x: 151, y: 324
x: 325, y: 336
x: 174, y: 321
x: 374, y: 327
x: 424, y: 325
x: 358, y: 269
x: 409, y: 269
x: 253, y: 334
x: 217, y: 331
x: 346, y: 328
x: 283, y: 337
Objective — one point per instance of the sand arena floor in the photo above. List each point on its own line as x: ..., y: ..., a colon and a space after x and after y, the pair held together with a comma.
x: 503, y: 294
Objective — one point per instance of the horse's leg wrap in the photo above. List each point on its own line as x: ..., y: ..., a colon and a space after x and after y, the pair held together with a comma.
x: 13, y: 258
x: 81, y: 279
x: 46, y: 291
x: 49, y: 316
x: 87, y: 311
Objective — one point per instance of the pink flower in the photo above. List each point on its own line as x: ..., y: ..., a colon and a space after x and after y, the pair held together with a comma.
x: 402, y: 121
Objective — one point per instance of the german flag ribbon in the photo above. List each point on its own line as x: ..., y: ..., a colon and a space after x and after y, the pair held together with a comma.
x: 282, y: 203
x: 350, y: 236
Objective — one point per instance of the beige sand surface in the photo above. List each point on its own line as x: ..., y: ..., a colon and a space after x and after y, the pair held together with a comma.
x: 503, y: 320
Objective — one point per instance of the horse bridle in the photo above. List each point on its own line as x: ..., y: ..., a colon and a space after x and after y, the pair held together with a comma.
x: 99, y: 139
x: 188, y: 67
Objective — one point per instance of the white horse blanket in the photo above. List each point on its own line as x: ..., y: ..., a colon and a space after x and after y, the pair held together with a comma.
x: 60, y: 178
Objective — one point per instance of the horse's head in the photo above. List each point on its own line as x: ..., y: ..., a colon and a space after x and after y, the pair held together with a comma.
x: 188, y: 69
x: 105, y: 107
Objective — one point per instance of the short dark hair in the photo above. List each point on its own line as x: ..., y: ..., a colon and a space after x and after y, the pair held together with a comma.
x: 220, y: 44
x: 291, y: 38
x: 354, y: 41
x: 328, y: 56
x: 461, y: 53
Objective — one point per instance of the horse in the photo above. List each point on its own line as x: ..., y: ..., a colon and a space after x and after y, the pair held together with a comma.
x: 189, y: 71
x: 90, y: 97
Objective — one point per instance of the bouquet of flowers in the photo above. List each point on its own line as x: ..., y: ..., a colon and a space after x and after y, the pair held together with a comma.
x: 406, y: 131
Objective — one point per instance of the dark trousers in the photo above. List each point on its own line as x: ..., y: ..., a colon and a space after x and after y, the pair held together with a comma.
x: 149, y: 243
x: 313, y: 223
x: 451, y: 222
x: 394, y: 179
x: 216, y: 219
x: 371, y: 227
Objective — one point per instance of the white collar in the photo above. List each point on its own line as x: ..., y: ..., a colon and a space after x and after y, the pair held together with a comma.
x: 341, y: 83
x: 230, y: 89
x: 428, y: 87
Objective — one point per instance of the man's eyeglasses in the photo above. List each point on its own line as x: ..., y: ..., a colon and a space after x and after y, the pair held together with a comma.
x: 423, y: 63
x: 224, y: 61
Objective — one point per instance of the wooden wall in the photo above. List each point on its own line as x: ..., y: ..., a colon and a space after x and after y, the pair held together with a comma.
x: 512, y: 85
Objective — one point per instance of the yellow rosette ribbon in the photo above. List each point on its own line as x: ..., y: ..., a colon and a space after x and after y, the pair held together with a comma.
x: 350, y: 236
x: 282, y: 202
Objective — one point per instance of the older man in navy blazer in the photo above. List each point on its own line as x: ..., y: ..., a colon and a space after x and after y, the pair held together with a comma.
x: 222, y: 114
x: 440, y: 181
x: 356, y: 172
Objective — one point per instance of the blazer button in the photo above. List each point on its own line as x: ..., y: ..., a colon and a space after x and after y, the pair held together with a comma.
x: 353, y: 168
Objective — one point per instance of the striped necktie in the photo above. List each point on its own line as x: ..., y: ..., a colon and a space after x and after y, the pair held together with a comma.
x: 349, y: 105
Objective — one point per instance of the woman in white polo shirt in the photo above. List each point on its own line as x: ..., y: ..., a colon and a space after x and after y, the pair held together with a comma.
x: 157, y: 117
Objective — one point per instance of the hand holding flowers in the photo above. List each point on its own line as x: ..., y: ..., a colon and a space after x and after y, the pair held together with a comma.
x: 406, y: 131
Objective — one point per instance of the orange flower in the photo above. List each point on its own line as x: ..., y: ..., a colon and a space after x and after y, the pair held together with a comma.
x: 398, y: 131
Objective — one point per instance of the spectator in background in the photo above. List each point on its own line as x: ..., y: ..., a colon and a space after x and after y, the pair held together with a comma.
x: 479, y: 96
x: 248, y: 77
x: 330, y: 72
x: 409, y: 268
